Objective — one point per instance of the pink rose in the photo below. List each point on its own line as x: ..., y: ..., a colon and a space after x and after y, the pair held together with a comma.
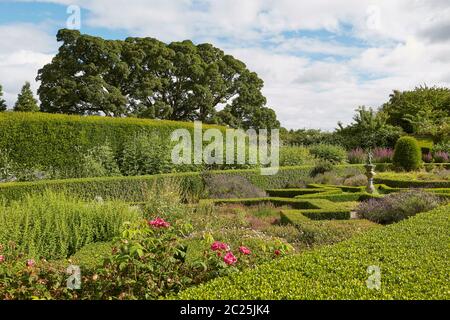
x: 230, y: 259
x: 244, y: 250
x: 2, y: 258
x: 217, y: 245
x: 30, y: 263
x: 159, y: 223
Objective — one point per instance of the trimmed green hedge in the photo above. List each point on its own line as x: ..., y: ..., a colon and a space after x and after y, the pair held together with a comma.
x: 293, y: 192
x: 397, y: 183
x: 50, y: 140
x: 407, y: 154
x: 315, y: 209
x: 133, y: 189
x: 412, y: 255
x: 340, y: 197
x: 317, y: 232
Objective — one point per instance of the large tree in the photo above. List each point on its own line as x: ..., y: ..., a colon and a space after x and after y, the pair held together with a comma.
x: 368, y: 130
x: 25, y: 100
x: 423, y: 110
x: 147, y: 78
x: 2, y: 101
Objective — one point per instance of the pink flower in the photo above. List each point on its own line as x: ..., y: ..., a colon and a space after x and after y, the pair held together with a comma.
x: 244, y: 250
x: 230, y: 259
x: 2, y: 258
x: 217, y: 245
x: 30, y: 263
x: 159, y: 223
x: 277, y: 252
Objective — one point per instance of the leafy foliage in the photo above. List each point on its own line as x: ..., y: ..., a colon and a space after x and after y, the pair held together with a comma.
x: 226, y: 186
x: 307, y: 137
x: 25, y: 100
x: 295, y: 156
x: 369, y: 130
x: 407, y: 154
x: 424, y: 110
x: 3, y: 105
x: 328, y: 152
x: 147, y: 78
x: 54, y: 226
x: 397, y: 206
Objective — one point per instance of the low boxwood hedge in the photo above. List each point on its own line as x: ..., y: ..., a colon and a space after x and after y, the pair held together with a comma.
x: 412, y: 256
x: 133, y: 189
x: 319, y: 232
x: 315, y: 209
x: 292, y: 192
x: 405, y: 183
x: 340, y: 197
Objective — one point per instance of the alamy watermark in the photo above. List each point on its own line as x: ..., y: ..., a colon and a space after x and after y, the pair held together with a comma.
x: 73, y: 22
x: 74, y: 280
x: 374, y: 280
x: 237, y: 147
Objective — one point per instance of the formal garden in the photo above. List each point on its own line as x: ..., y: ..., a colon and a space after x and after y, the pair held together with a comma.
x: 92, y: 205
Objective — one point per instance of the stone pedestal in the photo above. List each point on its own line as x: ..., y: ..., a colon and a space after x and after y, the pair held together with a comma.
x: 370, y: 173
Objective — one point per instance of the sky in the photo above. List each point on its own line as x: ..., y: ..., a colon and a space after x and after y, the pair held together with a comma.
x: 319, y: 59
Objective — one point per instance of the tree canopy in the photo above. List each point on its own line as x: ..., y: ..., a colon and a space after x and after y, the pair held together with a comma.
x: 423, y: 111
x: 144, y: 77
x: 368, y: 130
x: 2, y: 101
x: 25, y: 100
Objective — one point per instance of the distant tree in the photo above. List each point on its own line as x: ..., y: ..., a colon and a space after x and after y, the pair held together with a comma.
x: 25, y: 100
x: 2, y: 101
x: 307, y: 137
x: 146, y: 78
x: 420, y: 111
x: 369, y: 129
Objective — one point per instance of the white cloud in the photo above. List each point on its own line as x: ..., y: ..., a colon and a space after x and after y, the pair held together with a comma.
x: 24, y: 49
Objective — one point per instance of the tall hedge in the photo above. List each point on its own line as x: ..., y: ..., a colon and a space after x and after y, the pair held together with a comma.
x: 41, y: 140
x: 407, y: 154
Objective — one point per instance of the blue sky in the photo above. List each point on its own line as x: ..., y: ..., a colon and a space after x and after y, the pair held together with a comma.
x: 319, y: 59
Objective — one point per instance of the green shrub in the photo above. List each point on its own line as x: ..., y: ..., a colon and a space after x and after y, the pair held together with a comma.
x: 313, y: 233
x: 165, y: 200
x: 97, y: 162
x: 6, y: 166
x: 407, y: 154
x: 53, y: 225
x: 443, y: 146
x: 322, y: 167
x: 407, y: 254
x: 222, y: 186
x: 328, y: 152
x: 144, y: 154
x: 295, y: 156
x: 398, y: 206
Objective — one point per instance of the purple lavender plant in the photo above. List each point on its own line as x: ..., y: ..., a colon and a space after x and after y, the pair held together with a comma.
x: 383, y: 155
x: 441, y: 157
x: 427, y: 157
x: 356, y: 156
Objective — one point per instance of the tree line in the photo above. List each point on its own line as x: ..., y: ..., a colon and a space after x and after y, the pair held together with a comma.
x: 423, y: 111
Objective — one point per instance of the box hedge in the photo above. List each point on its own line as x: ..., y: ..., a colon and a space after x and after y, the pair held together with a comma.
x: 412, y: 256
x: 42, y: 140
x: 133, y: 189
